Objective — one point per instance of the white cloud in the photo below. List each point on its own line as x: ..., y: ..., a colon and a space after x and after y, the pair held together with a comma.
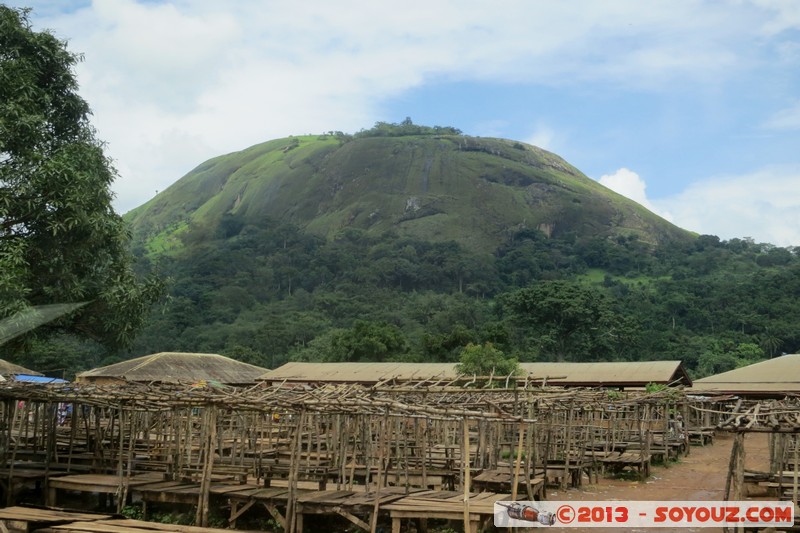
x: 764, y: 205
x: 785, y: 119
x: 630, y: 185
x: 786, y: 15
x: 179, y: 81
x: 543, y: 137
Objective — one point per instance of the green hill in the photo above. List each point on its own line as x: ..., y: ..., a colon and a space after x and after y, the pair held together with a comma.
x: 436, y: 187
x: 410, y: 243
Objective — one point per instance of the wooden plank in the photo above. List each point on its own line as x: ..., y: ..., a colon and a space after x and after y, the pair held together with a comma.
x: 31, y: 514
x: 100, y: 482
x: 275, y: 514
x: 354, y: 519
x: 325, y: 496
x: 128, y: 526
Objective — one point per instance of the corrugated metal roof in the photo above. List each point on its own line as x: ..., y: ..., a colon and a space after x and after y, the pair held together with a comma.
x: 173, y: 367
x: 773, y: 376
x: 626, y: 373
x: 360, y: 372
x: 567, y: 374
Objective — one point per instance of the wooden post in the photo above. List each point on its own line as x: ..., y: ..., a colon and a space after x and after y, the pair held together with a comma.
x: 382, y: 441
x: 124, y: 487
x: 424, y: 452
x: 208, y: 447
x: 466, y: 480
x: 515, y: 483
x: 794, y: 469
x: 10, y: 493
x: 735, y: 480
x: 294, y: 465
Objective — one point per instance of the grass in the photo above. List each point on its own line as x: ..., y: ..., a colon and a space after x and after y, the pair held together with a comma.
x: 475, y: 197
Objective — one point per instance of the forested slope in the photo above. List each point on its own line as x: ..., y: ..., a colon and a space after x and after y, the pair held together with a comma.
x: 409, y: 243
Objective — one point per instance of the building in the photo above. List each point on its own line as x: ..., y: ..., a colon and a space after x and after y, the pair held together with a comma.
x: 175, y: 367
x: 8, y: 369
x: 774, y: 378
x: 615, y: 374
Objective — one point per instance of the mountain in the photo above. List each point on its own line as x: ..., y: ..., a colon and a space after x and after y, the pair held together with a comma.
x: 433, y: 186
x: 411, y: 243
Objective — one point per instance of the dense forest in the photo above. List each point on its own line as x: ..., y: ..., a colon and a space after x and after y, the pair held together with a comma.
x: 269, y: 294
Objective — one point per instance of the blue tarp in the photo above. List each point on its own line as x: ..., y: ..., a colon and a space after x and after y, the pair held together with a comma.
x: 28, y: 378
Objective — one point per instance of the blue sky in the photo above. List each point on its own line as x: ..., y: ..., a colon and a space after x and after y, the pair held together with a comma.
x: 691, y: 108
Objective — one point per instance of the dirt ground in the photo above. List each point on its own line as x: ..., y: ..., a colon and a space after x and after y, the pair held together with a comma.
x: 700, y: 475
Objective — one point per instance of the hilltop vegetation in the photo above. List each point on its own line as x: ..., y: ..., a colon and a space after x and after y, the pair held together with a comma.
x: 425, y: 183
x: 276, y: 253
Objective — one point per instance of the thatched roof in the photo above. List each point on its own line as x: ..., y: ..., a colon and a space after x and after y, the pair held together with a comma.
x: 615, y: 374
x: 775, y: 377
x: 7, y: 369
x: 178, y: 367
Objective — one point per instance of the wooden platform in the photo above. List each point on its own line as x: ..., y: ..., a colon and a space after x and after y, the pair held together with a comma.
x: 501, y: 480
x: 448, y: 505
x: 96, y: 483
x: 24, y: 519
x: 49, y: 520
x: 351, y: 505
x: 617, y: 462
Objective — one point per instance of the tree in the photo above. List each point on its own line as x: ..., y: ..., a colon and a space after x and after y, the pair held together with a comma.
x: 60, y: 240
x: 569, y: 320
x: 484, y: 360
x: 368, y: 341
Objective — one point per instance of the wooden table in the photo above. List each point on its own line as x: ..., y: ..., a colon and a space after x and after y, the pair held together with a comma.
x: 502, y: 480
x: 447, y: 505
x: 96, y: 483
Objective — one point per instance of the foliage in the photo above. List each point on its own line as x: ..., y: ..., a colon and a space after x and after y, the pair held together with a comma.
x: 60, y: 241
x: 614, y: 394
x: 485, y: 360
x: 367, y: 341
x: 567, y: 320
x: 361, y: 297
x: 651, y: 388
x: 133, y: 512
x: 709, y: 304
x: 407, y: 127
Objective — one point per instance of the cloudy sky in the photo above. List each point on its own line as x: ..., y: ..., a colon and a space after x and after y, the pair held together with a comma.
x: 691, y: 108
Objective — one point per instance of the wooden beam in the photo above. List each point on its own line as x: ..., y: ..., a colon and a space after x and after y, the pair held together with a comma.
x: 236, y: 513
x: 275, y: 514
x: 354, y: 519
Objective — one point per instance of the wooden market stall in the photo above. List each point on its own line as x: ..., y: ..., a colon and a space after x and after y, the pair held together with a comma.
x: 293, y: 450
